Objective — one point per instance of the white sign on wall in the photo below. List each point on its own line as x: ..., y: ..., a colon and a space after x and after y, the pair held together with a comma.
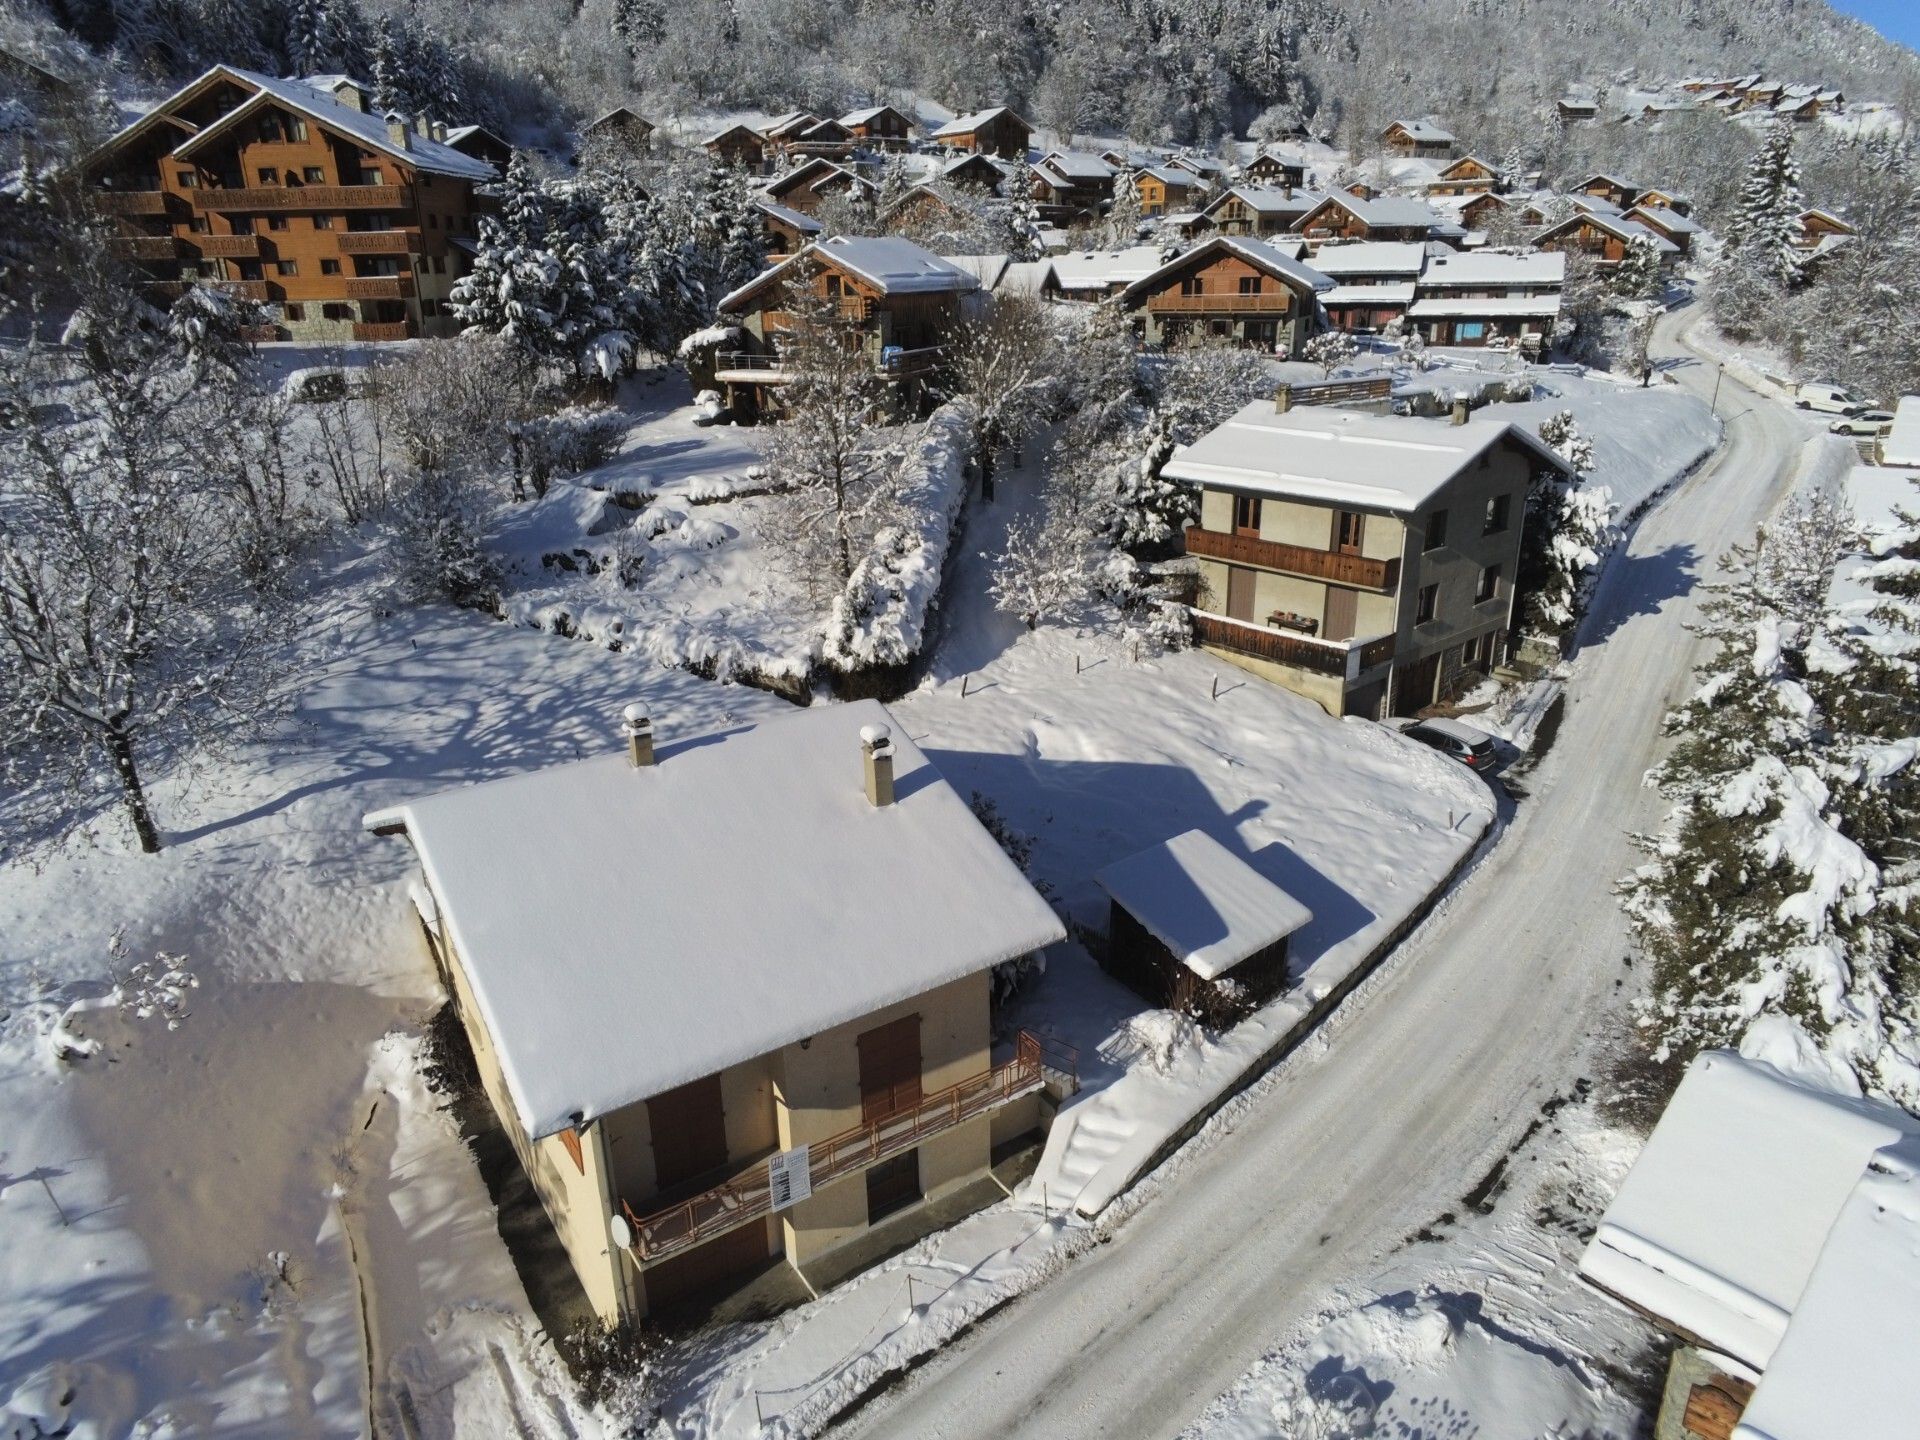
x: 789, y: 1177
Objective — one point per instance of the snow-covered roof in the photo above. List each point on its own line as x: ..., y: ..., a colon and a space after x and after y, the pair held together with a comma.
x: 1371, y: 257
x: 988, y: 270
x: 1902, y: 443
x: 1347, y: 458
x: 1613, y: 181
x: 1392, y: 293
x: 1845, y: 1367
x: 1172, y: 175
x: 890, y: 264
x: 967, y: 124
x: 871, y: 113
x: 1203, y: 902
x: 1258, y: 253
x: 1103, y: 269
x: 787, y: 215
x: 625, y: 114
x: 1425, y: 131
x: 1269, y: 199
x: 316, y: 100
x: 1719, y: 1223
x: 717, y: 136
x: 1491, y: 307
x: 793, y: 120
x: 1386, y: 210
x: 1491, y: 267
x: 812, y: 171
x: 1076, y: 166
x: 1617, y: 225
x: 1199, y: 164
x: 628, y: 930
x: 1666, y: 219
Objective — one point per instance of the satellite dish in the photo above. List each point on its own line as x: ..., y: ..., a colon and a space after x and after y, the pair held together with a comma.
x: 621, y: 1231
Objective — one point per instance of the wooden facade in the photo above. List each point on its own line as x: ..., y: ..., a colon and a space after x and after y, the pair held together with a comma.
x: 1621, y: 193
x: 620, y: 128
x: 991, y: 132
x: 1216, y: 289
x: 1164, y: 191
x: 1334, y: 219
x: 1405, y: 138
x: 1469, y: 175
x: 1267, y: 168
x: 342, y: 238
x: 1587, y: 235
x: 881, y: 128
x: 804, y: 188
x: 739, y: 146
x: 1818, y: 225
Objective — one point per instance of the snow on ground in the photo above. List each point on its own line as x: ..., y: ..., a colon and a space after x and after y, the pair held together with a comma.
x: 1477, y: 1326
x: 196, y: 1218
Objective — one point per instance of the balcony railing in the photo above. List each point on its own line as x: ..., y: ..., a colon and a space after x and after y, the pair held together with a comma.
x: 380, y: 330
x: 305, y: 197
x: 131, y: 202
x: 748, y: 1196
x: 379, y: 242
x: 229, y: 247
x: 1347, y: 659
x: 379, y: 287
x: 146, y: 247
x: 1359, y: 571
x: 1265, y: 302
x: 753, y: 365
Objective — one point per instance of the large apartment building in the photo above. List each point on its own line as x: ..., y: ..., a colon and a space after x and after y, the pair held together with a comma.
x: 347, y: 225
x: 1364, y: 561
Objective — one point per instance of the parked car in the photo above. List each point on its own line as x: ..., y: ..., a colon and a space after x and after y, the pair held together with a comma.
x: 1472, y: 748
x: 1868, y: 423
x: 1830, y: 398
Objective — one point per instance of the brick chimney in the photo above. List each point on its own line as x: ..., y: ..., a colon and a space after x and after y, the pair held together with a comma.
x: 397, y: 132
x: 637, y: 726
x: 876, y: 745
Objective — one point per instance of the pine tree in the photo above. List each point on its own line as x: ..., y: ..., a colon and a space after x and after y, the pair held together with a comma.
x: 1568, y: 524
x: 1639, y: 275
x: 1764, y: 223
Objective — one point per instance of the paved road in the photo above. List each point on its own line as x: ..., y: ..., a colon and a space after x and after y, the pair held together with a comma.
x: 1431, y: 1077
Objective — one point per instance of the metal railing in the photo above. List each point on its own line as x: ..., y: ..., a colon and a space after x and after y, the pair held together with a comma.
x: 748, y: 1195
x: 1344, y: 658
x: 1358, y: 570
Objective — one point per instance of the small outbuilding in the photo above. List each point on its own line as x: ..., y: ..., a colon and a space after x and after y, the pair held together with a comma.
x: 1188, y: 913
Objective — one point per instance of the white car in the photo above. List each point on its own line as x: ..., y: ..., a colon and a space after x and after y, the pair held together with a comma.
x: 1868, y: 423
x: 1833, y: 399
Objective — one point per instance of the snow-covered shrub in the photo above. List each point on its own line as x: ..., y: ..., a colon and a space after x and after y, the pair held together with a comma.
x: 1330, y: 349
x: 436, y: 548
x: 565, y: 442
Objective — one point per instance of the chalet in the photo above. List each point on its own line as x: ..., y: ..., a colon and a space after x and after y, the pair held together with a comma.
x: 1359, y: 189
x: 1270, y: 167
x: 1763, y: 95
x: 1205, y: 167
x: 1233, y: 287
x: 1364, y: 561
x: 879, y: 127
x: 1068, y: 185
x: 976, y: 171
x: 783, y: 130
x: 1604, y: 237
x: 788, y: 231
x: 479, y: 142
x: 1166, y: 190
x: 903, y: 302
x: 695, y: 1086
x: 810, y: 182
x: 998, y: 131
x: 619, y: 129
x: 1819, y: 227
x: 1417, y: 137
x: 1665, y: 199
x: 826, y: 139
x: 1576, y: 108
x: 1187, y: 914
x: 1479, y: 211
x: 345, y: 225
x: 1800, y: 109
x: 1616, y: 192
x: 1099, y: 274
x: 1772, y: 1229
x: 1669, y: 225
x: 1348, y: 217
x: 1258, y: 210
x: 1493, y: 296
x: 1469, y: 175
x: 740, y: 146
x: 1373, y: 282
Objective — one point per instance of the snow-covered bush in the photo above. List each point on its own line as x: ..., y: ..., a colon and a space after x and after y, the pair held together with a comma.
x: 437, y: 552
x: 1330, y: 349
x: 564, y: 443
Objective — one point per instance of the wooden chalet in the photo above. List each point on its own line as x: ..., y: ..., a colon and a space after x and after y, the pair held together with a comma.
x: 1469, y: 175
x: 813, y: 180
x: 1665, y: 199
x: 1419, y: 138
x: 1616, y: 192
x: 740, y: 146
x: 1166, y: 190
x: 1818, y: 227
x: 1233, y: 287
x: 902, y: 301
x: 1489, y: 297
x: 976, y: 171
x: 1069, y: 186
x: 1259, y: 210
x: 1480, y: 211
x: 479, y: 142
x: 788, y: 231
x: 621, y: 128
x: 345, y: 225
x: 782, y: 130
x: 825, y: 139
x: 1270, y: 167
x: 998, y: 131
x: 1204, y: 166
x: 1574, y: 110
x: 1347, y: 217
x: 1603, y: 237
x: 1670, y: 225
x: 928, y: 213
x: 1373, y: 282
x: 879, y: 127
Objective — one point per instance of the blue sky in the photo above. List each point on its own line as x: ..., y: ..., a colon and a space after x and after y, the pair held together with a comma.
x: 1897, y: 19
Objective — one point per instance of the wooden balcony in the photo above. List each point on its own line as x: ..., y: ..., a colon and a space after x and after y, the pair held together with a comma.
x: 748, y: 1196
x: 379, y: 242
x: 229, y: 247
x: 1266, y: 302
x: 380, y: 330
x: 256, y: 290
x: 131, y: 202
x: 1347, y: 659
x: 1359, y: 571
x: 145, y: 247
x: 379, y: 287
x: 306, y: 197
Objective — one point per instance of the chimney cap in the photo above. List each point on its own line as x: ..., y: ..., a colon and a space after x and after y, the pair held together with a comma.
x: 635, y: 717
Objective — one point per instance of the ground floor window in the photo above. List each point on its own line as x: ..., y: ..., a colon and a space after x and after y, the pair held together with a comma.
x: 296, y: 312
x: 892, y: 1186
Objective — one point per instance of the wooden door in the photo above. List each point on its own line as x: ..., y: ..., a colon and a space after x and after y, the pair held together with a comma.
x: 1239, y: 592
x: 705, y: 1269
x: 689, y: 1128
x: 1343, y: 606
x: 1349, y: 529
x: 889, y: 1068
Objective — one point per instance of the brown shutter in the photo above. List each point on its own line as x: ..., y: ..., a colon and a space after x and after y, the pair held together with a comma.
x: 889, y: 1068
x: 689, y: 1129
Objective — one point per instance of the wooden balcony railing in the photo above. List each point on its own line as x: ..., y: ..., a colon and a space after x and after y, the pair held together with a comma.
x: 1359, y: 571
x: 145, y: 247
x: 379, y: 242
x: 380, y: 330
x: 305, y: 197
x: 229, y: 247
x: 131, y: 202
x: 245, y: 289
x: 747, y: 1196
x: 895, y: 365
x: 1266, y: 302
x: 1347, y: 659
x: 379, y: 287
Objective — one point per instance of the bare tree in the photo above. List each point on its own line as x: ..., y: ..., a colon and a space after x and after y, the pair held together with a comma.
x: 1005, y: 362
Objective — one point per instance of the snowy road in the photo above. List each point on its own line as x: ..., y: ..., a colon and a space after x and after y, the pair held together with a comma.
x: 1433, y: 1072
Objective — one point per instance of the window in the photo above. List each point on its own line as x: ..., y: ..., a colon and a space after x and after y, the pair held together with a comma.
x: 297, y: 130
x: 1436, y: 530
x: 323, y: 222
x: 1427, y: 605
x: 314, y: 175
x: 243, y: 225
x: 1250, y: 284
x: 1489, y: 585
x: 329, y: 267
x: 189, y: 179
x: 1246, y: 515
x: 269, y: 175
x: 373, y: 175
x: 270, y: 128
x: 295, y: 312
x: 1349, y: 526
x: 429, y: 308
x: 276, y: 222
x: 337, y: 311
x: 439, y: 265
x: 1192, y: 285
x: 200, y: 226
x: 1497, y: 514
x: 289, y: 267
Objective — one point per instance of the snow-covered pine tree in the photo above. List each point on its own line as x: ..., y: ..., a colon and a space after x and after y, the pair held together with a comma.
x: 1638, y: 276
x: 1763, y: 225
x: 1568, y: 526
